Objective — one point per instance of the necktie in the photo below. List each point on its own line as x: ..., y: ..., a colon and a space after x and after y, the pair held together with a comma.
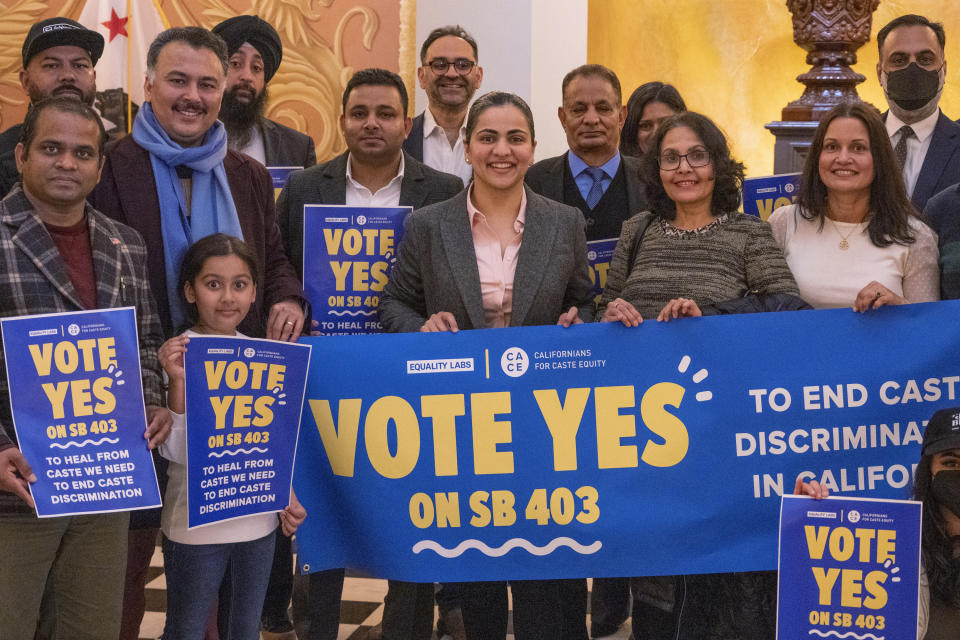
x: 901, y: 149
x: 596, y: 189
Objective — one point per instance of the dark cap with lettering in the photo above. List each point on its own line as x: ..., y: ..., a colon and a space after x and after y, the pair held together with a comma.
x: 943, y: 431
x: 58, y: 32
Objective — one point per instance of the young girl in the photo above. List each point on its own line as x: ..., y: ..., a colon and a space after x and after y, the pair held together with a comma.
x: 218, y: 281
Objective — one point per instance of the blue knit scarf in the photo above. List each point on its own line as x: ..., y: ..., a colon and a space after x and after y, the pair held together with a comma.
x: 212, y: 209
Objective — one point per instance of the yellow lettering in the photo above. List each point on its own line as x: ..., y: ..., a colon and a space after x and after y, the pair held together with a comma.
x: 57, y: 395
x: 488, y: 432
x: 220, y: 408
x: 444, y: 410
x: 101, y: 391
x: 825, y: 582
x: 339, y: 438
x: 664, y: 424
x: 612, y: 427
x: 264, y: 413
x: 375, y: 429
x: 563, y: 421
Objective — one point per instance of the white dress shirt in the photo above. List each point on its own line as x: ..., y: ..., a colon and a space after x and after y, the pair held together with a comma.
x: 255, y: 148
x: 917, y: 145
x: 438, y: 153
x: 358, y: 195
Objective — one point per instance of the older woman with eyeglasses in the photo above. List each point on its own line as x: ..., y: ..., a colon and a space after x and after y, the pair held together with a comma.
x: 692, y: 250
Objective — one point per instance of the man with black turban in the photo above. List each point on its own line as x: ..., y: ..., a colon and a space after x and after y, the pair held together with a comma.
x: 255, y: 52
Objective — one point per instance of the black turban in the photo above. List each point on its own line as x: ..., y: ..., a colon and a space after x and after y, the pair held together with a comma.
x: 261, y: 36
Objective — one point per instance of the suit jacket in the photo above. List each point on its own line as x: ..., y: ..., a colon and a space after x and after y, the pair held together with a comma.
x: 286, y: 147
x: 941, y: 166
x: 414, y: 142
x: 327, y: 184
x: 437, y: 270
x: 128, y: 192
x: 546, y: 178
x: 9, y: 175
x: 36, y: 281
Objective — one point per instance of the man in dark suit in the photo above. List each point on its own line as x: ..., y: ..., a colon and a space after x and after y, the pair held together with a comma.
x: 59, y: 56
x: 374, y: 171
x: 912, y: 71
x: 255, y: 53
x: 450, y: 75
x: 594, y: 177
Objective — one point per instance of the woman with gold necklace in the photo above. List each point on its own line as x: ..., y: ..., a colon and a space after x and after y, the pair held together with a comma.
x: 853, y: 238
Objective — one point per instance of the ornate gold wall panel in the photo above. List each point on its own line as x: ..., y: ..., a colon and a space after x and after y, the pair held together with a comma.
x: 324, y: 42
x: 735, y: 60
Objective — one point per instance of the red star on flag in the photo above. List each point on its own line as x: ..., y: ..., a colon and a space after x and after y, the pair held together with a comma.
x: 116, y: 24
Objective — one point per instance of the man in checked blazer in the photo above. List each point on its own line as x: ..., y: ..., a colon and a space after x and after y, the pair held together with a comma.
x: 60, y: 254
x: 374, y: 171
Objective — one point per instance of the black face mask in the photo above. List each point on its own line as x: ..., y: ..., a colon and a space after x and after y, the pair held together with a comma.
x: 912, y: 87
x: 946, y: 489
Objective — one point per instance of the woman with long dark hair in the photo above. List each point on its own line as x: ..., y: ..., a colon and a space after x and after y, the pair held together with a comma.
x: 650, y: 104
x: 853, y: 238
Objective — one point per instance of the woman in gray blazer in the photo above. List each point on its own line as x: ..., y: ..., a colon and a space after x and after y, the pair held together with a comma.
x: 495, y: 255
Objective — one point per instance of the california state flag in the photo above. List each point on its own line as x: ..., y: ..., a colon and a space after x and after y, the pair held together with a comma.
x: 128, y: 27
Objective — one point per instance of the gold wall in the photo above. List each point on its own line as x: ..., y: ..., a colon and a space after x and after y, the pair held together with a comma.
x: 324, y: 43
x: 735, y: 60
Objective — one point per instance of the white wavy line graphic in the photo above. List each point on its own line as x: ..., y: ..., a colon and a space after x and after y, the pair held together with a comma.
x: 510, y: 544
x: 848, y: 634
x: 352, y: 313
x: 80, y: 445
x: 220, y: 454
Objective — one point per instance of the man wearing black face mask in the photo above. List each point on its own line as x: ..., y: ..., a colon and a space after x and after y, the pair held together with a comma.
x: 911, y: 71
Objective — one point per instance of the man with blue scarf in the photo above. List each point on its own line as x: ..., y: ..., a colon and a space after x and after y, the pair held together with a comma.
x: 175, y: 181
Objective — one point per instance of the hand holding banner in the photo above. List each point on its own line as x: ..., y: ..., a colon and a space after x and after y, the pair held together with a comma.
x: 243, y: 399
x: 77, y: 402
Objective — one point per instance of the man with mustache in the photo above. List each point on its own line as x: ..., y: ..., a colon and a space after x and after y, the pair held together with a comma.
x: 255, y: 53
x: 174, y: 180
x: 59, y: 56
x: 374, y: 171
x: 605, y: 185
x: 450, y: 75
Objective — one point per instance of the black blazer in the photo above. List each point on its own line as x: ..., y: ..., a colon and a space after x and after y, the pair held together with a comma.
x: 286, y: 147
x: 546, y: 178
x: 414, y: 142
x: 327, y: 184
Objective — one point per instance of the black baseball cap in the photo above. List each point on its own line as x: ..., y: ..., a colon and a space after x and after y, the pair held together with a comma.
x: 943, y: 431
x: 57, y: 32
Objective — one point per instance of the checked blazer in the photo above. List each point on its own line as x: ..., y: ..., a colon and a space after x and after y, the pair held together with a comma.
x: 34, y: 280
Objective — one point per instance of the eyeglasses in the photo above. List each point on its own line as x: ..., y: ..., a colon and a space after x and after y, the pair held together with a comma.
x: 670, y: 161
x: 462, y: 65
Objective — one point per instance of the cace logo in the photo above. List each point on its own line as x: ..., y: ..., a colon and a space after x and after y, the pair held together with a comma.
x: 514, y: 362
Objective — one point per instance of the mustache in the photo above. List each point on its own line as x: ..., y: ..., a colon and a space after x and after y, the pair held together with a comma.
x: 189, y: 104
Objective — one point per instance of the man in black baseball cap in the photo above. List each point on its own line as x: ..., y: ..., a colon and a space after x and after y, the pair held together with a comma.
x: 255, y: 52
x: 58, y: 59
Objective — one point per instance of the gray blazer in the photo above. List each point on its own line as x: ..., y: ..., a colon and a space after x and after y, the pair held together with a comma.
x: 436, y: 268
x: 286, y: 147
x: 327, y: 184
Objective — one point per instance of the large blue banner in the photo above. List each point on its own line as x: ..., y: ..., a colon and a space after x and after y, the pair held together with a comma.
x: 347, y: 256
x: 603, y: 450
x: 77, y: 402
x: 849, y: 567
x: 243, y: 398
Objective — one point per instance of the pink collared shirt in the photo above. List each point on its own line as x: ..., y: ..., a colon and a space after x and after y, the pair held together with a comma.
x: 496, y: 268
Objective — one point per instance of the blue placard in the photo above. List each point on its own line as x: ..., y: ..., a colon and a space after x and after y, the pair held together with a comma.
x: 599, y: 253
x: 243, y: 401
x: 764, y: 195
x: 602, y: 450
x: 849, y: 568
x: 77, y: 402
x: 347, y: 256
x: 279, y: 175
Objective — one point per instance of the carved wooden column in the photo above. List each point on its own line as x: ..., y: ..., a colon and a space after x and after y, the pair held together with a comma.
x: 830, y: 31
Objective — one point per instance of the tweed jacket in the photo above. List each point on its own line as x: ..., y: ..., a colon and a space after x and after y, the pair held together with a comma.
x: 327, y: 184
x: 34, y: 281
x: 437, y: 270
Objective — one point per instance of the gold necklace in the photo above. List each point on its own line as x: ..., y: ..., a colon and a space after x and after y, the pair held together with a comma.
x: 844, y: 245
